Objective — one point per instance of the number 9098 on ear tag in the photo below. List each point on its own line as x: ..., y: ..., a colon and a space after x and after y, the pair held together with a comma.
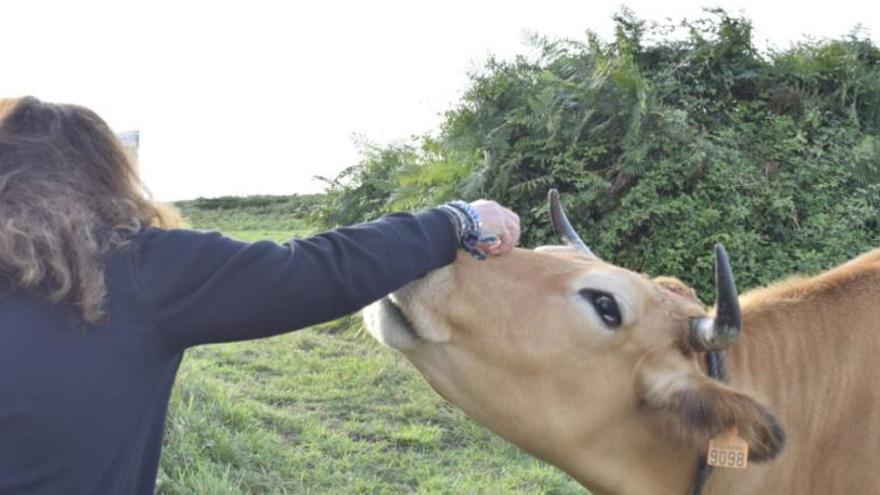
x: 728, y: 451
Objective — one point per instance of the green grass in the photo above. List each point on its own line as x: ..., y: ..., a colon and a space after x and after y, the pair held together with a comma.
x: 326, y: 410
x: 252, y: 218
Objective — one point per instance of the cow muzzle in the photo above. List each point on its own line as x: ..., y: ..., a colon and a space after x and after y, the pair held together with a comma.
x: 387, y: 323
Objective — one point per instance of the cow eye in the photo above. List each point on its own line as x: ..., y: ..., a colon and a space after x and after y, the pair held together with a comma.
x: 605, y: 306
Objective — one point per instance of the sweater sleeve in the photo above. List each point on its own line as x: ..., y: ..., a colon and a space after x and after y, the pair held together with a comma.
x: 203, y: 287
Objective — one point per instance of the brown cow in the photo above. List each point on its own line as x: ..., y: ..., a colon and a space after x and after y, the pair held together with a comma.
x: 600, y: 371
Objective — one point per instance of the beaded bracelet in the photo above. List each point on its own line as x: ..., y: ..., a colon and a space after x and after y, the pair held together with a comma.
x: 468, y: 227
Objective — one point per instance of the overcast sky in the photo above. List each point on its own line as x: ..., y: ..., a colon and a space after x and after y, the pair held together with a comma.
x: 256, y: 97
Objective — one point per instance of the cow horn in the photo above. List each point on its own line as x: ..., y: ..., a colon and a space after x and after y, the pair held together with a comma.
x: 563, y: 227
x: 715, y: 334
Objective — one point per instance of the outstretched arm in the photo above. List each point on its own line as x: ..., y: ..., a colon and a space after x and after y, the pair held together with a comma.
x: 203, y: 287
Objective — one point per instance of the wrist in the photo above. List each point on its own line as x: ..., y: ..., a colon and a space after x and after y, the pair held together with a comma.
x: 468, y: 226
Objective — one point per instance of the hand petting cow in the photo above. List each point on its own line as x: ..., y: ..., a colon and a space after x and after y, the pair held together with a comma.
x: 623, y: 381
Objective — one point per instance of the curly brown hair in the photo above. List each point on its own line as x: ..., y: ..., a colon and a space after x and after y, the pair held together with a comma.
x: 69, y: 193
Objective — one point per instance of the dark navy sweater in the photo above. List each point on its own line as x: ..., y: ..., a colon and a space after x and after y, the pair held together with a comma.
x: 82, y: 408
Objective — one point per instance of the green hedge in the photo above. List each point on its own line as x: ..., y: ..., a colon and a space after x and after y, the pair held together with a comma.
x: 663, y: 141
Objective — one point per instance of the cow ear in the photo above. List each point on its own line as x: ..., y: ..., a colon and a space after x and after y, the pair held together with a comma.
x: 693, y: 408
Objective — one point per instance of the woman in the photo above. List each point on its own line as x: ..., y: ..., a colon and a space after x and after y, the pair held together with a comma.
x: 96, y: 308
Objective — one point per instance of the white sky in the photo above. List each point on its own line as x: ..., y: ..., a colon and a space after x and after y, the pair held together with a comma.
x: 257, y: 97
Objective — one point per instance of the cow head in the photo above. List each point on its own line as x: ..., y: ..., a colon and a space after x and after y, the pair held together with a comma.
x: 587, y: 365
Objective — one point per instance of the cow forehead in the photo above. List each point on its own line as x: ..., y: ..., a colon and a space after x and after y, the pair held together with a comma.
x: 566, y: 252
x: 635, y: 288
x: 596, y: 271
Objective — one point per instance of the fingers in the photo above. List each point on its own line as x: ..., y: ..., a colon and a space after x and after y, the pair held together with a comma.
x: 507, y: 238
x: 513, y: 226
x: 501, y: 222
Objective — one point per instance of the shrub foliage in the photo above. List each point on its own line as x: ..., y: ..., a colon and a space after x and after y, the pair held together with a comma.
x: 663, y: 140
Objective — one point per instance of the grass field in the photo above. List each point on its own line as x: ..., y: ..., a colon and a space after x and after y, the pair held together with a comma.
x: 324, y: 410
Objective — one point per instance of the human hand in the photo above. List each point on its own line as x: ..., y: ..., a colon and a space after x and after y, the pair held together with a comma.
x: 499, y: 221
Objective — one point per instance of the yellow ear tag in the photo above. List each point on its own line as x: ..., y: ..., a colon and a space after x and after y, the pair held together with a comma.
x: 728, y: 450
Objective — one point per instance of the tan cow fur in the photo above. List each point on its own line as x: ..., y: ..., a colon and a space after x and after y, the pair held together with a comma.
x: 810, y: 347
x: 627, y: 411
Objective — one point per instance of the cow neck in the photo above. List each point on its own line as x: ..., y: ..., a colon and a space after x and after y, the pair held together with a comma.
x: 717, y: 370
